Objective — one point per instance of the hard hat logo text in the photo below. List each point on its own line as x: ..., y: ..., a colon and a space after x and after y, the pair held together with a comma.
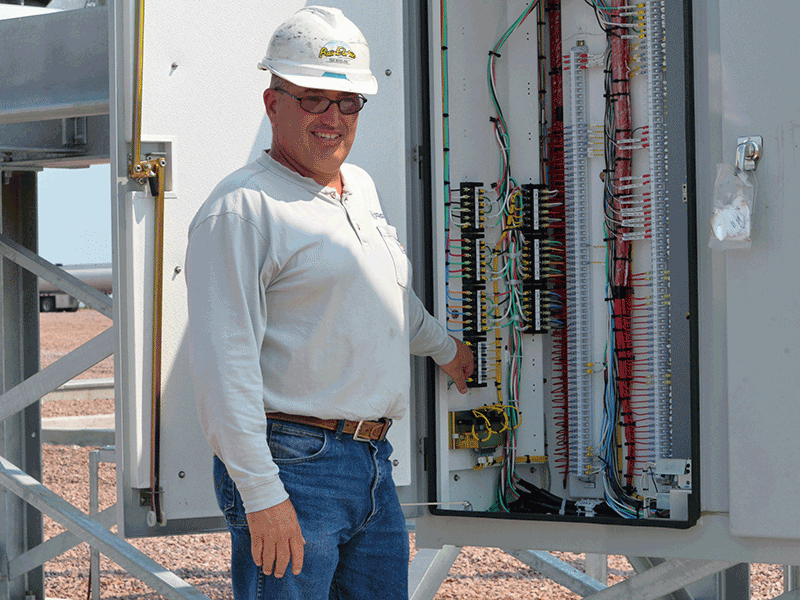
x: 337, y: 52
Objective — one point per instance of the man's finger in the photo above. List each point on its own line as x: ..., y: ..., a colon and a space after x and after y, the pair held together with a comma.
x: 255, y: 549
x: 461, y: 384
x: 296, y: 546
x: 469, y: 367
x: 269, y: 559
x: 282, y: 557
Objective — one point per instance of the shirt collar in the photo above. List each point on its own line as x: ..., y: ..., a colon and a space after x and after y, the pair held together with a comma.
x: 305, y: 182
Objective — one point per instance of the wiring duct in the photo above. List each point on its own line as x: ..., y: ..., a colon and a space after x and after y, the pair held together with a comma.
x: 555, y: 181
x: 509, y: 249
x: 637, y: 393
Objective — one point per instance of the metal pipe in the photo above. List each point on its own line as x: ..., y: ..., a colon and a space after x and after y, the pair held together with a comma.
x: 98, y: 276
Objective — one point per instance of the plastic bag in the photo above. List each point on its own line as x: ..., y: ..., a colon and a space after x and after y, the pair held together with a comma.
x: 732, y: 217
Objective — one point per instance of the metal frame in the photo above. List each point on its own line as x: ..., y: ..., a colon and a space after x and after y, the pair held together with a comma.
x: 659, y: 580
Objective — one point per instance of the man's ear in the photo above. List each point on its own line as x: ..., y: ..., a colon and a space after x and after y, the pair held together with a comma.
x: 270, y: 98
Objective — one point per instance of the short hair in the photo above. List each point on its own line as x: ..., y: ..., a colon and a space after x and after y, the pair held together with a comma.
x: 276, y: 82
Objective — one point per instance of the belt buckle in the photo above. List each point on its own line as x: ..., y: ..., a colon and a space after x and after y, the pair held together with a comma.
x: 386, y: 423
x: 356, y: 433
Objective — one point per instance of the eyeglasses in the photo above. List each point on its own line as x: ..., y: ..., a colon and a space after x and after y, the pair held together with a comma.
x: 316, y: 105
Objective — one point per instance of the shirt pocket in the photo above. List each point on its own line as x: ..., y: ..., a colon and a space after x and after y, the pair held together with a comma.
x: 402, y: 266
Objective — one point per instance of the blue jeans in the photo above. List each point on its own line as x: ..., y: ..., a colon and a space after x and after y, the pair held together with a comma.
x: 345, y: 499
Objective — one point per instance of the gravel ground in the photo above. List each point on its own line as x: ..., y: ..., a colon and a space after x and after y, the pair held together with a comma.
x: 203, y: 560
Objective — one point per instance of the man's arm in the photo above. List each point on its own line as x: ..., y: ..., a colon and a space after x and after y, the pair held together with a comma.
x: 428, y: 337
x: 225, y: 265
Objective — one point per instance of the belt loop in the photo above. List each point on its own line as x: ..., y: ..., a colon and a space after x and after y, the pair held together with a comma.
x: 339, y: 429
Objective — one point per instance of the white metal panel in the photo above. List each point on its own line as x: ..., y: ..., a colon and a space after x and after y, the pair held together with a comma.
x: 202, y: 107
x: 758, y: 49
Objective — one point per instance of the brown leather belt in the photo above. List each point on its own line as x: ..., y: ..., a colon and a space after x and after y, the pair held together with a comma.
x: 362, y: 431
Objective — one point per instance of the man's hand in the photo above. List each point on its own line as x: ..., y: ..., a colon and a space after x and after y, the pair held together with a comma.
x: 461, y: 367
x: 275, y: 538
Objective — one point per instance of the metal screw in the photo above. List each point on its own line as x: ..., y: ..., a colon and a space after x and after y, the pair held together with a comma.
x: 174, y: 65
x: 181, y: 474
x: 456, y: 477
x: 395, y: 462
x: 388, y: 72
x: 178, y: 270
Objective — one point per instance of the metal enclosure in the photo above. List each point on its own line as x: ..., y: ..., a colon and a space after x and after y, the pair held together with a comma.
x: 202, y: 112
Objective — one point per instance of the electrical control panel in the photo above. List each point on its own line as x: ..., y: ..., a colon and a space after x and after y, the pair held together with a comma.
x: 561, y: 261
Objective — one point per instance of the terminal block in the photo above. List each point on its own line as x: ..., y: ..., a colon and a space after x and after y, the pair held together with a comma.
x: 472, y: 208
x: 482, y: 429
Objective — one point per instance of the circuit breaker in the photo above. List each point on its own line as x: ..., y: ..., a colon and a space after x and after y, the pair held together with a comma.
x: 563, y: 262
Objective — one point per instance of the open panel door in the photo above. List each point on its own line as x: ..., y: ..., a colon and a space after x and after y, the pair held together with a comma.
x: 203, y: 114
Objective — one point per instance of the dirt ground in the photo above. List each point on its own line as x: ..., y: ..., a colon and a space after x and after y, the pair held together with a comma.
x: 203, y: 560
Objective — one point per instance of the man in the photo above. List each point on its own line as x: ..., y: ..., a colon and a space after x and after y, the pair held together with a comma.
x: 301, y: 319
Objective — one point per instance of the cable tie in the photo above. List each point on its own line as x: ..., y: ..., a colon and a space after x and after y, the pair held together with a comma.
x: 493, y: 53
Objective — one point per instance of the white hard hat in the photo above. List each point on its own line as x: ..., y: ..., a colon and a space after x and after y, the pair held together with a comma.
x: 318, y: 47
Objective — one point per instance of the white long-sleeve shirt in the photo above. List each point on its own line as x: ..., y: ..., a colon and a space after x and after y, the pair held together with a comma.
x: 299, y: 302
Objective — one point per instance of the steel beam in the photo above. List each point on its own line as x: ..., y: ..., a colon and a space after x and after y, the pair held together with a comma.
x: 641, y: 564
x: 71, y: 82
x: 562, y: 573
x: 55, y: 546
x: 58, y: 277
x: 20, y: 525
x: 662, y: 580
x: 428, y: 570
x: 61, y: 371
x: 121, y: 552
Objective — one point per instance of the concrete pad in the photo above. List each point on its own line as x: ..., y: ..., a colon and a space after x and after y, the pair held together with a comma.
x: 93, y: 430
x: 83, y: 389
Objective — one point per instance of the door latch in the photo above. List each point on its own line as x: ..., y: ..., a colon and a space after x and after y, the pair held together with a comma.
x: 748, y: 152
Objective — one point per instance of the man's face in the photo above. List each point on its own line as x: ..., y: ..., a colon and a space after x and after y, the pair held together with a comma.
x: 314, y: 145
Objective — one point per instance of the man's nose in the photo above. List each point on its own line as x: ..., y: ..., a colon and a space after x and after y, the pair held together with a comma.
x: 332, y: 114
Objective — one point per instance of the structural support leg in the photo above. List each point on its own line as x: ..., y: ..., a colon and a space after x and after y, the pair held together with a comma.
x: 121, y: 552
x: 662, y: 580
x: 104, y: 455
x: 20, y: 524
x: 597, y: 567
x: 791, y: 578
x: 428, y: 570
x: 734, y: 583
